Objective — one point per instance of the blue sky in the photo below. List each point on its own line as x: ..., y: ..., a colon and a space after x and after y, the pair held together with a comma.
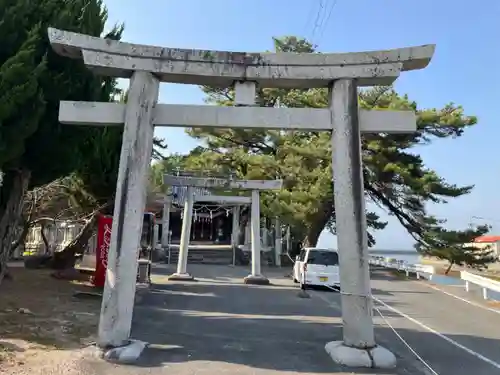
x: 467, y: 35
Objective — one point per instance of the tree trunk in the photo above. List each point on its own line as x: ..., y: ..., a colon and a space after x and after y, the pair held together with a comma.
x: 319, y: 222
x: 26, y: 226
x: 21, y: 239
x: 245, y: 216
x: 449, y: 268
x: 44, y: 238
x: 66, y: 258
x: 312, y: 234
x: 15, y: 184
x: 311, y: 237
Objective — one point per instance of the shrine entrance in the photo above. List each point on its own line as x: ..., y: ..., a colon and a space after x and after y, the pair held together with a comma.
x: 212, y: 224
x: 209, y: 184
x: 213, y: 219
x: 342, y: 73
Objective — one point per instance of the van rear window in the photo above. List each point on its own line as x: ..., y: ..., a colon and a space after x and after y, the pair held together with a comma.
x: 326, y: 258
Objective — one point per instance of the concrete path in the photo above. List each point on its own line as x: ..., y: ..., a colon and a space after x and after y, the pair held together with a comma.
x: 218, y: 325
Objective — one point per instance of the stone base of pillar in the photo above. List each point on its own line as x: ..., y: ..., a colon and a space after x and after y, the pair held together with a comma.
x: 377, y: 357
x: 256, y: 280
x: 181, y: 277
x: 126, y: 354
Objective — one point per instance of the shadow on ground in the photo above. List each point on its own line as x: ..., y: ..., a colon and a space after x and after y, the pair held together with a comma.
x: 235, y: 328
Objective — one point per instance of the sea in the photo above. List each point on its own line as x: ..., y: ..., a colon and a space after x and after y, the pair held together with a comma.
x: 412, y: 257
x: 408, y: 256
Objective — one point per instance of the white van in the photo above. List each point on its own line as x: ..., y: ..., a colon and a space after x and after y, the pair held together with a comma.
x: 320, y: 267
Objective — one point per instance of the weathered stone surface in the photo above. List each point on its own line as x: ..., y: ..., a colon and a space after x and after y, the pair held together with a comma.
x: 220, y: 182
x: 228, y: 199
x: 121, y: 273
x: 126, y: 354
x: 377, y: 357
x: 168, y: 115
x: 256, y: 280
x: 181, y: 277
x: 222, y: 68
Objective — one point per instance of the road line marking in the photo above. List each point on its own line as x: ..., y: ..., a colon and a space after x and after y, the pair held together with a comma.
x: 415, y: 321
x: 462, y: 299
x: 439, y: 334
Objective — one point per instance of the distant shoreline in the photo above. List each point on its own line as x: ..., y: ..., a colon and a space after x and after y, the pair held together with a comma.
x: 395, y: 252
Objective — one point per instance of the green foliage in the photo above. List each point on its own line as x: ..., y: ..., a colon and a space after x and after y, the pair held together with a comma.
x: 33, y: 79
x: 457, y: 247
x: 159, y: 144
x: 396, y: 179
x: 170, y: 164
x: 98, y: 170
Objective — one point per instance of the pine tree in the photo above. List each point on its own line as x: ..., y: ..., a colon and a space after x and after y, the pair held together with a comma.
x: 34, y: 147
x: 457, y: 247
x: 396, y: 179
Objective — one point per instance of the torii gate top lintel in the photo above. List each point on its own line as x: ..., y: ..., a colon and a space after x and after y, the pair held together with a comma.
x: 222, y: 183
x: 223, y: 68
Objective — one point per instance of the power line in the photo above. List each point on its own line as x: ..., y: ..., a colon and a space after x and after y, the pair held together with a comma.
x: 310, y: 17
x: 318, y: 14
x: 330, y: 12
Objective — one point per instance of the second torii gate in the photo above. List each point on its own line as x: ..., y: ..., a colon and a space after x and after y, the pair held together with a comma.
x: 255, y: 186
x: 341, y: 73
x: 235, y: 200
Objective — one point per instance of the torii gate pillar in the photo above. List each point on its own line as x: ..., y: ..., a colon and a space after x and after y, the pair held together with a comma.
x: 187, y: 221
x: 165, y: 221
x: 119, y: 291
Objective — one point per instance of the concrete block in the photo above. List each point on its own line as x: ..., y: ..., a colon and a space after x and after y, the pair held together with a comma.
x: 125, y: 354
x: 181, y: 277
x: 377, y: 357
x: 256, y: 280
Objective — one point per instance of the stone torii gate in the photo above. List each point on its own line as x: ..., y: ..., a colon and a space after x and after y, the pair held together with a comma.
x: 236, y: 200
x: 342, y: 73
x: 255, y: 186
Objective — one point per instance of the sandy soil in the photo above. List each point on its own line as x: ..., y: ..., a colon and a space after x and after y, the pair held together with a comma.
x: 40, y: 314
x: 493, y: 269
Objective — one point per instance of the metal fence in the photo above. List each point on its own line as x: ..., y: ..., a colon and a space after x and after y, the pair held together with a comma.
x: 420, y: 270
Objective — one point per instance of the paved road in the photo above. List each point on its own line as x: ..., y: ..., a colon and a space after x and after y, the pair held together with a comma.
x: 454, y: 336
x: 218, y: 325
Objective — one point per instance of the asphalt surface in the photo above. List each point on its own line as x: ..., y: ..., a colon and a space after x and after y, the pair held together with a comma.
x: 217, y: 325
x: 455, y: 332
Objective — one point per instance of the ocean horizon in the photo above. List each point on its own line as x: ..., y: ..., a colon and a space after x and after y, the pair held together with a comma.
x: 410, y: 255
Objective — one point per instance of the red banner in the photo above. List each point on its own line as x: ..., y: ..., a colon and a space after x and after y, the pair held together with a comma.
x: 104, y: 224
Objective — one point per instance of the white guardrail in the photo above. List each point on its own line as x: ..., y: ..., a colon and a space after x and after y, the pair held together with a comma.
x: 420, y: 270
x: 485, y: 283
